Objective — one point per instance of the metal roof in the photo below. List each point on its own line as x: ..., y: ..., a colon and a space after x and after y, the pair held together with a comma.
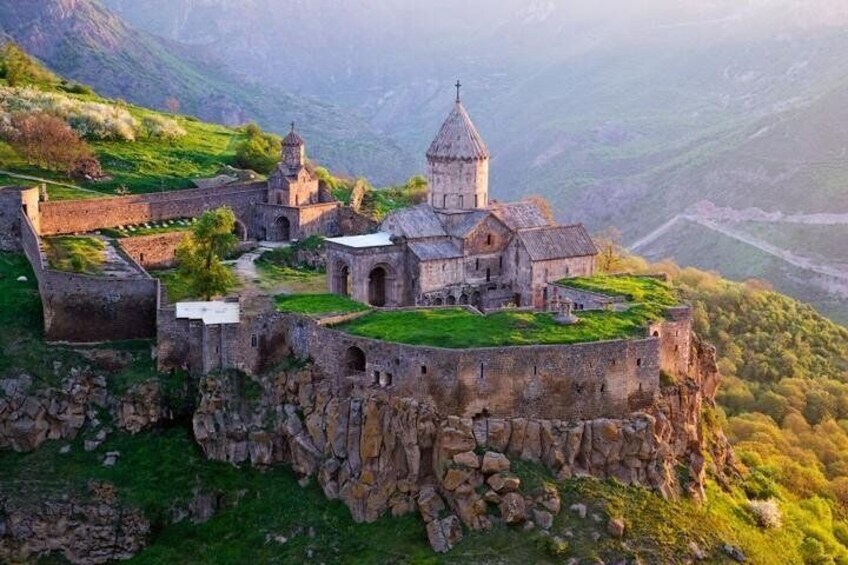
x: 211, y: 313
x: 379, y: 239
x: 458, y: 139
x: 435, y: 249
x: 557, y: 242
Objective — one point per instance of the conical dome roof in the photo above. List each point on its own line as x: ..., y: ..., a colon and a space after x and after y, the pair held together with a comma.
x: 292, y: 139
x: 458, y: 139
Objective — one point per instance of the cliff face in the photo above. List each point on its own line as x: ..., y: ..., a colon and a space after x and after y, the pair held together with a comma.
x: 98, y: 530
x: 381, y: 454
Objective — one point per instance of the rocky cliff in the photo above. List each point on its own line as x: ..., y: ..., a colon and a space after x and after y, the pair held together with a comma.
x: 379, y: 453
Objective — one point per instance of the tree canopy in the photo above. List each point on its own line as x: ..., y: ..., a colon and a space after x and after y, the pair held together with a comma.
x: 200, y: 254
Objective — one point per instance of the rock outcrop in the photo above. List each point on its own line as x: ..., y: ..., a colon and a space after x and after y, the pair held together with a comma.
x: 98, y: 530
x: 29, y: 416
x: 379, y: 453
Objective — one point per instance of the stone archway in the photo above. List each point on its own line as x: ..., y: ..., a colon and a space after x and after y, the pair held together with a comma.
x: 463, y: 298
x: 240, y: 230
x: 451, y: 301
x: 283, y: 226
x: 378, y: 286
x: 342, y: 279
x: 354, y: 360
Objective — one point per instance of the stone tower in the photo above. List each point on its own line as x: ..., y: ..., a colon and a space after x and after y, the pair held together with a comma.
x: 294, y: 152
x: 458, y: 164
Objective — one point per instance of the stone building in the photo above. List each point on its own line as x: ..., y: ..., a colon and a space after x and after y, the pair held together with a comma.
x: 459, y: 248
x: 297, y: 205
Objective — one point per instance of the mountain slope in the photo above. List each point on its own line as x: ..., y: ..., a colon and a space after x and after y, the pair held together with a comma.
x: 82, y: 40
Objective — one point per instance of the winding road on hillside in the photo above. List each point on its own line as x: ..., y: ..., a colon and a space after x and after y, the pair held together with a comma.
x: 718, y: 219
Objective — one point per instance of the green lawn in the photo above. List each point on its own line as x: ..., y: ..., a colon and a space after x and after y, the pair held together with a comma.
x: 457, y: 328
x: 290, y: 280
x: 650, y: 292
x: 318, y: 304
x: 75, y: 254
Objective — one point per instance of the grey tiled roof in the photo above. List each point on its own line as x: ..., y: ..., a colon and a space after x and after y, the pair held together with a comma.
x: 458, y: 139
x: 557, y: 242
x: 459, y: 225
x: 433, y: 249
x: 519, y: 215
x: 418, y: 221
x: 292, y: 140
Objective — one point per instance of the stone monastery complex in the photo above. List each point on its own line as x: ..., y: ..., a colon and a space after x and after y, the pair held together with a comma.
x: 475, y: 334
x: 460, y: 249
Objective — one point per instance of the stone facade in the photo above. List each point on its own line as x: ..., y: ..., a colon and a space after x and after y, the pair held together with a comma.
x: 607, y: 379
x: 459, y: 248
x: 157, y: 251
x: 84, y: 308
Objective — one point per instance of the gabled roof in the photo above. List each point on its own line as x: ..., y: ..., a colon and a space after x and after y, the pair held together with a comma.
x: 458, y: 139
x: 415, y: 222
x: 519, y: 215
x: 557, y: 242
x: 460, y: 225
x: 435, y: 249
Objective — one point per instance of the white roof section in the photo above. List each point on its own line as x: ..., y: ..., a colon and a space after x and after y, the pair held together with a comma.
x: 379, y: 239
x: 211, y: 313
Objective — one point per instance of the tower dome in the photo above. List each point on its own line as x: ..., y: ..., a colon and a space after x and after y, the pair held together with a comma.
x: 294, y: 151
x: 458, y: 163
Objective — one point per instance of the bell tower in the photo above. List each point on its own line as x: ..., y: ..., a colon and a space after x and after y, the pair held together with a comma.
x: 458, y: 163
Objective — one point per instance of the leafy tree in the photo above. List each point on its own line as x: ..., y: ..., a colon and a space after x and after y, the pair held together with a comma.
x: 200, y: 254
x: 610, y: 253
x: 49, y: 142
x: 260, y: 152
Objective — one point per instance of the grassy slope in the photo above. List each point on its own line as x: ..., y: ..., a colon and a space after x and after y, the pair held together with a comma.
x: 144, y: 165
x: 318, y: 304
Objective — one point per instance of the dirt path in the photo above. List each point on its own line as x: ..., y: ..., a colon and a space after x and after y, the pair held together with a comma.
x: 46, y: 181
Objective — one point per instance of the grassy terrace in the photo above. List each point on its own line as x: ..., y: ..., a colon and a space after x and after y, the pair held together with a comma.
x: 457, y: 328
x: 151, y: 228
x: 318, y: 304
x: 76, y: 254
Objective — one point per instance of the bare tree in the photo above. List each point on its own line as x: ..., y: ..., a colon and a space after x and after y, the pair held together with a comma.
x: 48, y: 142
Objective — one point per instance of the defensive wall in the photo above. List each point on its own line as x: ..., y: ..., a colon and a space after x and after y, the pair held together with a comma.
x: 82, y: 308
x: 604, y: 379
x: 156, y: 251
x: 80, y: 216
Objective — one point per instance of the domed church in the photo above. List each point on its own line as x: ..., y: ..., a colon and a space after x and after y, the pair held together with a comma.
x: 459, y: 248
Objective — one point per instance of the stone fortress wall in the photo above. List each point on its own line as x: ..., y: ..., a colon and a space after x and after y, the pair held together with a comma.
x: 81, y: 308
x: 80, y: 216
x: 156, y: 251
x: 606, y: 379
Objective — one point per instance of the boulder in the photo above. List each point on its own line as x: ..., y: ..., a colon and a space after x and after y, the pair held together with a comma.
x: 502, y: 483
x: 615, y: 527
x: 444, y: 534
x: 543, y: 519
x: 495, y: 463
x: 430, y: 504
x: 579, y: 509
x: 467, y: 459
